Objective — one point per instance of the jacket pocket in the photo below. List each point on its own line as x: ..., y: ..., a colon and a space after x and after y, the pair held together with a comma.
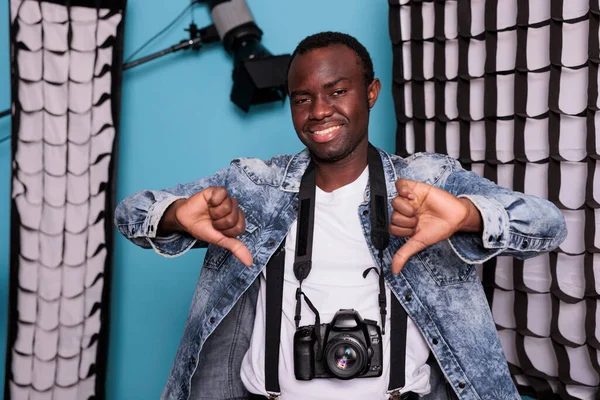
x: 445, y: 267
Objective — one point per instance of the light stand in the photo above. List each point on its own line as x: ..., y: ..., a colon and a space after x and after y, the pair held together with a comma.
x: 198, y: 37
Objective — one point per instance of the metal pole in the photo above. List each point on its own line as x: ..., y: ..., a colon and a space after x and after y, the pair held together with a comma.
x: 183, y: 45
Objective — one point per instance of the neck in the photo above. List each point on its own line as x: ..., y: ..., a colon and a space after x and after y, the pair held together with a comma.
x: 334, y: 175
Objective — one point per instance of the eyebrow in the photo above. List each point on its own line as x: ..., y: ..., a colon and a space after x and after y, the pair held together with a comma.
x: 335, y: 82
x: 299, y: 93
x: 325, y: 86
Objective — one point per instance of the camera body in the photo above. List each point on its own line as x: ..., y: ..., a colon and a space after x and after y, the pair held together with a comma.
x: 351, y: 348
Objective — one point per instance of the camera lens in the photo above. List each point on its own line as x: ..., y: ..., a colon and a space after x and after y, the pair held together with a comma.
x: 346, y: 356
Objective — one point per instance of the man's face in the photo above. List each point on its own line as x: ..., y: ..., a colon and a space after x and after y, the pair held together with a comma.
x: 330, y: 101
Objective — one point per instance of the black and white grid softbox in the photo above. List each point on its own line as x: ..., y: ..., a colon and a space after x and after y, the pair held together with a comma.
x: 510, y: 88
x: 66, y: 62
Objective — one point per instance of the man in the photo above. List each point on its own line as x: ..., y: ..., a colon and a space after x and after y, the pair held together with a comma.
x: 443, y: 220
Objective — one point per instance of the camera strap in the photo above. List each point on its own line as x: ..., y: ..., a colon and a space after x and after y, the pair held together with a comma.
x: 303, y: 265
x: 274, y: 298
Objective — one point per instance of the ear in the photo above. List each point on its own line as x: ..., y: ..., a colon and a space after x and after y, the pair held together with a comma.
x: 373, y: 92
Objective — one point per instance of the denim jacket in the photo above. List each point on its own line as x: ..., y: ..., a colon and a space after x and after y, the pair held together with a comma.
x: 439, y: 287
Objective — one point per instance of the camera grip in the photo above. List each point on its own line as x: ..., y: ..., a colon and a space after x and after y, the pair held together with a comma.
x: 304, y: 354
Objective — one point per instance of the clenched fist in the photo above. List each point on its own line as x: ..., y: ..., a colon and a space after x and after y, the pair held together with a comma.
x: 427, y: 215
x: 211, y: 216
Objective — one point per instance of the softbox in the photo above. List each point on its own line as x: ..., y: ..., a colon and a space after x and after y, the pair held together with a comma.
x: 66, y: 62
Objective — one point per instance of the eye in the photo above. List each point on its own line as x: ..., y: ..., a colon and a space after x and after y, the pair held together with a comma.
x: 339, y: 92
x: 300, y: 101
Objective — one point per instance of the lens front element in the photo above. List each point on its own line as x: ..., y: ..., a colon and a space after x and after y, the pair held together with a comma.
x: 346, y: 357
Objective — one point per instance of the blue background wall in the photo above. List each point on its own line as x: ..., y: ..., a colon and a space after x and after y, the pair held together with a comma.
x: 177, y: 125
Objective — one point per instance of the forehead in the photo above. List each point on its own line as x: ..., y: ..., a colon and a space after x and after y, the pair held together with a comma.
x: 324, y: 65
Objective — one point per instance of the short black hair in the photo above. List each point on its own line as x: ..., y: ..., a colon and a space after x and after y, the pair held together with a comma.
x: 325, y: 39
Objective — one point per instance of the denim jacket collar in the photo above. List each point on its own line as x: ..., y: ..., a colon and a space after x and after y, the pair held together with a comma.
x: 298, y: 163
x: 294, y: 170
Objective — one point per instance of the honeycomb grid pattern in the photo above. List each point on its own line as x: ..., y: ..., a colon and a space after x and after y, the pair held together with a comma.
x: 510, y: 89
x: 64, y: 130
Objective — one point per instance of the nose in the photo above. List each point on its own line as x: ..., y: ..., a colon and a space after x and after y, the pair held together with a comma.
x: 320, y: 109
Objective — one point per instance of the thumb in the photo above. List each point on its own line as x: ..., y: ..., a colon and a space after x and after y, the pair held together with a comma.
x: 405, y: 252
x: 239, y: 249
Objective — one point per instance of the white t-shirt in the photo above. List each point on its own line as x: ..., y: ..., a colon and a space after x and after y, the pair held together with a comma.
x: 340, y: 255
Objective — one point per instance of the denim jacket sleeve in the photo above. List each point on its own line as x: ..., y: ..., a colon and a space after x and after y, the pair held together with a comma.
x: 514, y: 224
x: 138, y: 215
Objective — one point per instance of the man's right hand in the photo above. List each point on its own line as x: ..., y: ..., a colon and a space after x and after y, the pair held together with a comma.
x: 210, y: 216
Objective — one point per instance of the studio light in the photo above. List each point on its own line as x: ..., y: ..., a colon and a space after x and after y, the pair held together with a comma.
x: 258, y: 76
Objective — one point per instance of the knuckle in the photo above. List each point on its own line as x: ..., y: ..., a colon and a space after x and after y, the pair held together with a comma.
x: 217, y: 226
x: 230, y: 233
x: 213, y: 214
x: 235, y: 231
x: 231, y: 219
x: 226, y: 207
x: 221, y: 192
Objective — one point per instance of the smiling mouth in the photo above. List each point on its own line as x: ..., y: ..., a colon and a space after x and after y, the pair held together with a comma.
x: 326, y: 131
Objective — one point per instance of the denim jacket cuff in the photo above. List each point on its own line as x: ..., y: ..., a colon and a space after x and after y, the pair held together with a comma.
x: 474, y: 249
x: 155, y: 214
x: 172, y: 245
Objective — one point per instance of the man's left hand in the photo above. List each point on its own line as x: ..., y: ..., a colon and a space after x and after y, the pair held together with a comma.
x: 427, y: 215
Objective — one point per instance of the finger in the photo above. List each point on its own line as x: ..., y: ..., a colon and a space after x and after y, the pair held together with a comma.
x: 216, y: 196
x: 402, y: 221
x: 227, y: 207
x: 239, y: 228
x: 406, y: 188
x: 407, y: 184
x: 227, y: 222
x: 403, y: 206
x: 239, y: 249
x: 404, y: 253
x: 229, y: 219
x: 401, y: 232
x: 405, y: 191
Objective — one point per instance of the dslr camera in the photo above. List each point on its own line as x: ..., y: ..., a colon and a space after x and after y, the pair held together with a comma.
x: 349, y: 347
